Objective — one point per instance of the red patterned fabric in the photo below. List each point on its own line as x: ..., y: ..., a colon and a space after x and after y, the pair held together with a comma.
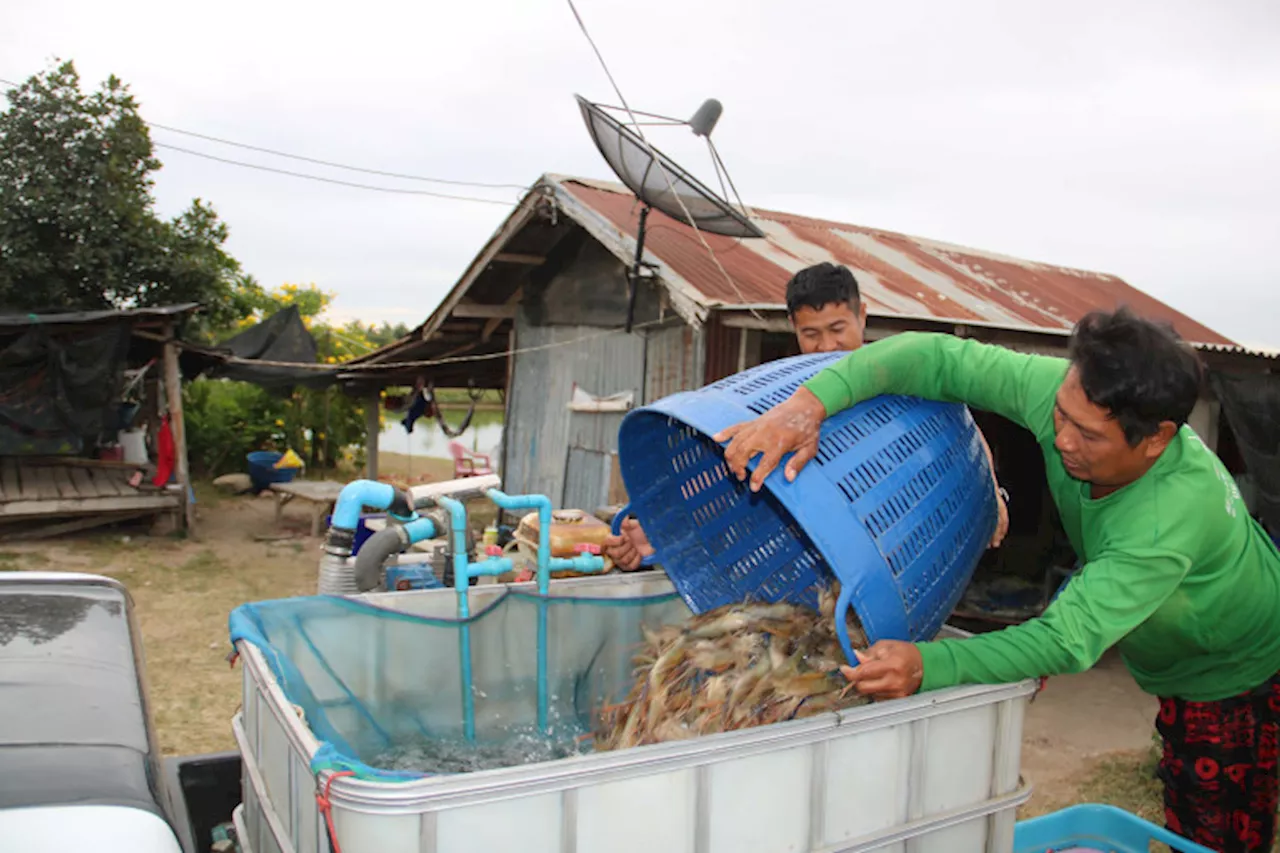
x: 1219, y: 768
x: 166, y: 454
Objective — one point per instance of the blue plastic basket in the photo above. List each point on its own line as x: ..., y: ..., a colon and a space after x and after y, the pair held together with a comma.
x: 1090, y: 827
x: 898, y: 504
x: 261, y: 472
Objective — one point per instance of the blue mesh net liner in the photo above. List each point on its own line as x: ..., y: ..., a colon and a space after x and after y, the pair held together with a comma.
x: 371, y: 681
x: 898, y: 505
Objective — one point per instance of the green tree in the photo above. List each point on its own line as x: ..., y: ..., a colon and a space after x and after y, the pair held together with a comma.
x: 226, y: 420
x: 77, y: 225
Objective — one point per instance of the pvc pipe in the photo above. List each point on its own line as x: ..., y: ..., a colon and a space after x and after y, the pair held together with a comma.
x: 546, y: 565
x: 463, y: 571
x: 584, y: 563
x: 543, y: 505
x: 392, y: 539
x: 357, y: 495
x: 463, y: 489
x: 458, y: 532
x: 458, y: 542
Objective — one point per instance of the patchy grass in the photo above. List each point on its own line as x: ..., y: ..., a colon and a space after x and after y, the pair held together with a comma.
x: 1128, y: 781
x: 414, y: 469
x: 183, y: 608
x: 208, y: 496
x: 17, y: 561
x: 183, y: 592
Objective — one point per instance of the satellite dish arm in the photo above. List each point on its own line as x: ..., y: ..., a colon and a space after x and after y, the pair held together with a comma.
x: 633, y: 277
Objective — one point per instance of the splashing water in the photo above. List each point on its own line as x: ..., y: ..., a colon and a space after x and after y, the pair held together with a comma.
x: 523, y: 745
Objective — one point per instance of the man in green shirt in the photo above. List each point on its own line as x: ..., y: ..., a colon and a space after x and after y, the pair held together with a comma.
x: 1175, y: 572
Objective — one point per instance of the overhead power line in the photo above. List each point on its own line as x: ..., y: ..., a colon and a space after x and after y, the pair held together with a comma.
x: 406, y: 177
x: 328, y: 163
x: 395, y: 190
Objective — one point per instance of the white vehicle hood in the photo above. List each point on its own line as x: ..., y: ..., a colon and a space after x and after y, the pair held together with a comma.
x: 103, y: 829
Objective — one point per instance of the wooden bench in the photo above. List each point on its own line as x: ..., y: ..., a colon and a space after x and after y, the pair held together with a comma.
x: 320, y: 495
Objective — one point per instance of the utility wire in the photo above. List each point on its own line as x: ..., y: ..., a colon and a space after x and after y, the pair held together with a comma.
x: 395, y: 190
x: 317, y: 161
x: 406, y: 177
x: 383, y: 367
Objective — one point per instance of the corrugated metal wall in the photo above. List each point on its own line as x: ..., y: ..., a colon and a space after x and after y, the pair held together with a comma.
x: 673, y: 362
x: 540, y: 426
x: 722, y: 348
x: 566, y: 455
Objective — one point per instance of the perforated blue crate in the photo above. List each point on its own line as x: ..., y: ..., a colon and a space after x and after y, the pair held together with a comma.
x: 1093, y: 828
x: 898, y: 504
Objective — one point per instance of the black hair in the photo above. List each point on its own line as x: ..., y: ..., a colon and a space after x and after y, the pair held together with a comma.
x: 1137, y: 369
x: 819, y: 285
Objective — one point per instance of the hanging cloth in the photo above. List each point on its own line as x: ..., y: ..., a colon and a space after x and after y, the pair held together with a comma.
x: 421, y: 406
x: 166, y: 454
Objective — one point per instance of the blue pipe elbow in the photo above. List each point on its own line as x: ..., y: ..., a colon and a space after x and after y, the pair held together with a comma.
x: 543, y: 505
x: 458, y: 530
x: 357, y: 495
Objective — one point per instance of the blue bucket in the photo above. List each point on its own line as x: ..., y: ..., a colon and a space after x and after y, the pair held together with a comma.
x: 261, y: 472
x: 898, y: 504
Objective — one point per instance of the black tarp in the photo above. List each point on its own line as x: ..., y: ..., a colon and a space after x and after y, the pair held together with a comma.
x: 58, y: 382
x: 1251, y: 403
x: 282, y: 337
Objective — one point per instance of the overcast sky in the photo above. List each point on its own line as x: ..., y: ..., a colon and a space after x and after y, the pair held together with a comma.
x: 1135, y: 138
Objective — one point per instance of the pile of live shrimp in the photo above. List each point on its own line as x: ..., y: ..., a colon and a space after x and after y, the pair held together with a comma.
x: 735, y: 667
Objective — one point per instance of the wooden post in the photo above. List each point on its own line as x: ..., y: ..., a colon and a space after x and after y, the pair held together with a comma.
x: 173, y: 391
x: 371, y: 407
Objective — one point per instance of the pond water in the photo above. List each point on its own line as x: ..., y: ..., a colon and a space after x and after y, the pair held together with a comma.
x: 428, y: 440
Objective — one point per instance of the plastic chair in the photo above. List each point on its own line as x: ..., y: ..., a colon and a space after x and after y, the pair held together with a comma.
x: 466, y: 462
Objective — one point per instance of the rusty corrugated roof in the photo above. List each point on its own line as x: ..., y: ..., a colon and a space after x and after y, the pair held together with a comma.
x: 898, y: 275
x: 1235, y: 349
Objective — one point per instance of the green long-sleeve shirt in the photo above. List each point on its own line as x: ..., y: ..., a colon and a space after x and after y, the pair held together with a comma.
x: 1175, y: 572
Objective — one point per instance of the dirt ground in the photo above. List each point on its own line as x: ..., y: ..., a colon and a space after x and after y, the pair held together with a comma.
x: 1087, y: 737
x: 1082, y: 729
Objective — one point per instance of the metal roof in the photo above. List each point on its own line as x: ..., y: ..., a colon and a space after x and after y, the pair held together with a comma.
x: 1235, y: 349
x: 898, y: 275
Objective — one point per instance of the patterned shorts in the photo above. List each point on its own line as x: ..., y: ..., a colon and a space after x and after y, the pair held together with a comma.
x: 1219, y: 768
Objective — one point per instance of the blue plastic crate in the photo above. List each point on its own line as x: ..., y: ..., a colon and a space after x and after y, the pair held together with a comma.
x: 898, y: 504
x: 1095, y: 829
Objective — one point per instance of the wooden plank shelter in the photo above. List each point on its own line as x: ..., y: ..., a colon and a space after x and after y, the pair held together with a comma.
x: 52, y: 488
x: 77, y: 486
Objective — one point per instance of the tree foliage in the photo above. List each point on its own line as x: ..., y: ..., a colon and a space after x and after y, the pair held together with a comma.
x: 78, y: 230
x: 226, y: 420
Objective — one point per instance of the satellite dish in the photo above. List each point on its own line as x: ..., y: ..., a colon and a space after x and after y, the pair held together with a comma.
x: 631, y: 159
x: 658, y: 182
